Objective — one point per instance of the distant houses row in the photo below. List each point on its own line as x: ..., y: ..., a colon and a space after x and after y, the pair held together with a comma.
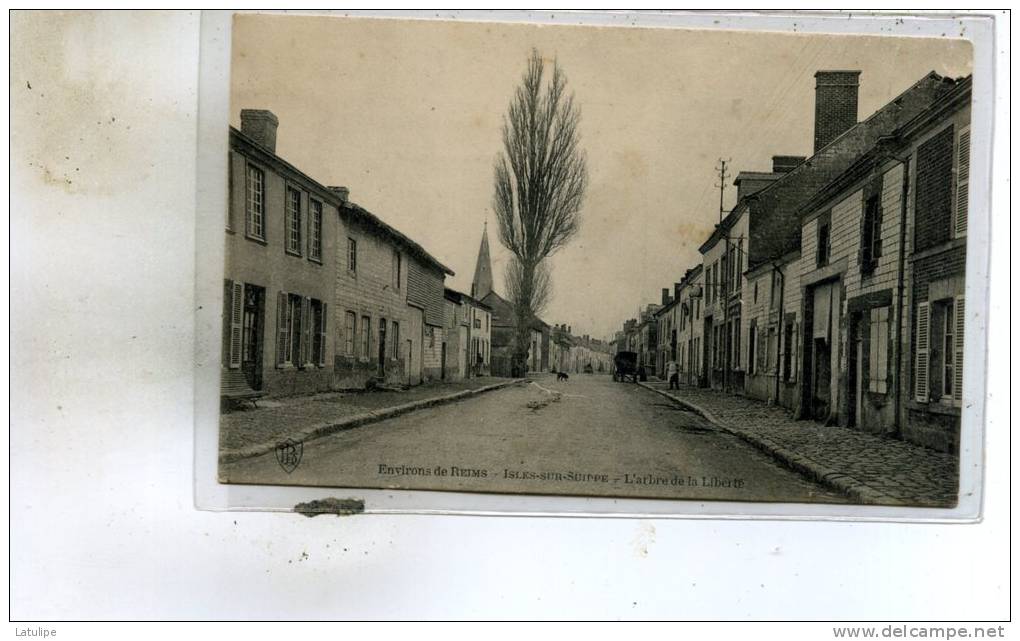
x: 835, y: 286
x: 321, y: 294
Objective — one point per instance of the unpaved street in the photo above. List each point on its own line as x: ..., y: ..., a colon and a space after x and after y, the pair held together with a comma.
x: 598, y: 438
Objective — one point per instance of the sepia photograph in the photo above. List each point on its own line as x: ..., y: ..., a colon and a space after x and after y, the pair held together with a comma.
x: 707, y: 265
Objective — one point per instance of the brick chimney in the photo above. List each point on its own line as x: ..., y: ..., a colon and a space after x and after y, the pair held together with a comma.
x: 665, y: 296
x: 260, y: 125
x: 835, y: 104
x: 676, y: 291
x: 342, y: 193
x: 783, y: 164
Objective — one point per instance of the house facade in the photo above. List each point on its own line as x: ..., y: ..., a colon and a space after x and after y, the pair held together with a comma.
x: 690, y: 327
x: 281, y: 230
x: 938, y: 146
x: 468, y: 338
x: 835, y: 287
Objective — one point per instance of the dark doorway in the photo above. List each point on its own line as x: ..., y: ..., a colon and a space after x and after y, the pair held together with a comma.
x: 252, y: 334
x: 855, y: 369
x: 442, y: 364
x: 382, y: 347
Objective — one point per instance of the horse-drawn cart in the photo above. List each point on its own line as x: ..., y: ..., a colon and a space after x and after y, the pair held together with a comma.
x: 625, y: 365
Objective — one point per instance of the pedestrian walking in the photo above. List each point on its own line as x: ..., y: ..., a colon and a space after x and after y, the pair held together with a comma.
x: 673, y: 374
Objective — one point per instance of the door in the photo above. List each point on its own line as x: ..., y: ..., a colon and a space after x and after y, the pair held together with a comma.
x: 382, y: 347
x: 856, y: 370
x: 442, y: 362
x: 408, y: 350
x: 251, y: 335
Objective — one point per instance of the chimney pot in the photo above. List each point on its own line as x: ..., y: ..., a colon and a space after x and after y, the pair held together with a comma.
x: 342, y: 193
x: 835, y: 104
x: 783, y: 164
x: 260, y: 125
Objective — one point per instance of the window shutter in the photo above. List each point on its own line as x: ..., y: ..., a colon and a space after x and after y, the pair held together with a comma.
x: 962, y: 183
x: 322, y: 336
x: 921, y: 360
x: 236, y: 313
x: 281, y: 328
x: 958, y: 336
x: 796, y: 351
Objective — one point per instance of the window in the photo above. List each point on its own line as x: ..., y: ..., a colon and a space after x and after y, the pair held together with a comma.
x: 822, y: 254
x: 871, y: 235
x: 398, y: 266
x: 878, y: 351
x: 395, y: 342
x: 352, y: 255
x: 289, y: 328
x: 938, y: 360
x: 738, y: 282
x: 948, y: 362
x: 962, y: 183
x: 293, y: 221
x: 366, y: 337
x: 255, y: 203
x: 318, y: 327
x: 315, y: 230
x: 350, y: 322
x: 775, y: 288
x: 724, y: 271
x: 934, y: 206
x: 789, y: 336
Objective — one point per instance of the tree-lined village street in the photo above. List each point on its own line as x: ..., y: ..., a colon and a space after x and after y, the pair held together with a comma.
x: 814, y: 352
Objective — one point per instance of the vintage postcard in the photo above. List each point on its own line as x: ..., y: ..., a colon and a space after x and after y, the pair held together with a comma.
x: 617, y: 262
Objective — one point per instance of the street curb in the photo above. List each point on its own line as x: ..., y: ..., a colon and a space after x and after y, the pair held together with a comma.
x: 833, y: 479
x: 323, y: 429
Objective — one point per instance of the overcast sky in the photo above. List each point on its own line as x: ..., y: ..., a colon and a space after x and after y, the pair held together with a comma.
x: 407, y: 114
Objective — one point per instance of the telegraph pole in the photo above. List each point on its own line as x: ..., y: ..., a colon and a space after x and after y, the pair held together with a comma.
x: 722, y: 183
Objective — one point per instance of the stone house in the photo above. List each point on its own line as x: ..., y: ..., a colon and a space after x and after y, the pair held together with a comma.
x: 773, y: 290
x: 385, y: 282
x: 320, y: 293
x: 467, y: 330
x: 856, y: 236
x: 937, y: 144
x: 690, y: 327
x: 280, y: 231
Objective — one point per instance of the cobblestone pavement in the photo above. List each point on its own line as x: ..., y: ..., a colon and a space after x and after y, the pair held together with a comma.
x: 871, y: 468
x: 276, y: 419
x: 586, y: 436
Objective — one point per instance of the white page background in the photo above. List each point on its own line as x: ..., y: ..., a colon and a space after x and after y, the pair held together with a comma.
x: 102, y: 521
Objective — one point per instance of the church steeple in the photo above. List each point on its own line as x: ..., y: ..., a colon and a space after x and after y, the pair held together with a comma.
x: 482, y: 283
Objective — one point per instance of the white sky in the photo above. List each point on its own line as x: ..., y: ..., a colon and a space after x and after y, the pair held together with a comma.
x: 407, y: 114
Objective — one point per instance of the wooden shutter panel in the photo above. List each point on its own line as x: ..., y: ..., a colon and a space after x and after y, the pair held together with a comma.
x: 921, y: 360
x: 236, y: 314
x: 962, y: 184
x: 281, y: 328
x: 958, y: 336
x: 306, y: 331
x: 795, y: 361
x: 322, y: 336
